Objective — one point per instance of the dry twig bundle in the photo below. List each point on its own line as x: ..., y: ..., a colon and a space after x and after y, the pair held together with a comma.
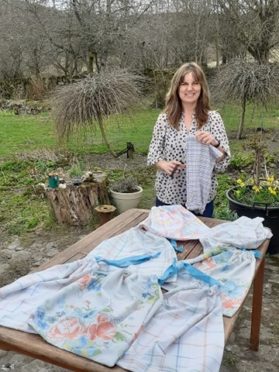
x: 90, y: 100
x: 245, y: 81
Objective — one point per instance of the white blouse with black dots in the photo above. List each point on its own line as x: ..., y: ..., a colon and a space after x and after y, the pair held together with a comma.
x: 169, y: 144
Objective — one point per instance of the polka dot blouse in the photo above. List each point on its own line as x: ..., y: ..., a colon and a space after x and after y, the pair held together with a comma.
x: 169, y: 144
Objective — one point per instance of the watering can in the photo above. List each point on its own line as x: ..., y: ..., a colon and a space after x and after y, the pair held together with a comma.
x: 53, y: 181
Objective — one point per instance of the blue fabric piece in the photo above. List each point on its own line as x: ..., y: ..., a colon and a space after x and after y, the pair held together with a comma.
x: 170, y: 272
x: 125, y: 262
x: 257, y: 253
x: 177, y: 248
x: 195, y: 273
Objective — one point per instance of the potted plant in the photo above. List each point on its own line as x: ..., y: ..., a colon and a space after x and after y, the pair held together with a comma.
x: 258, y: 196
x: 126, y: 193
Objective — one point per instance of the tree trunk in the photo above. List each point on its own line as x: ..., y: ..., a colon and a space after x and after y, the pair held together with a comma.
x: 104, y: 136
x: 241, y: 124
x: 260, y: 53
x: 90, y: 62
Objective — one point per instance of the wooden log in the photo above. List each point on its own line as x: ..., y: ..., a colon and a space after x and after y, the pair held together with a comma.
x: 75, y: 205
x: 105, y: 212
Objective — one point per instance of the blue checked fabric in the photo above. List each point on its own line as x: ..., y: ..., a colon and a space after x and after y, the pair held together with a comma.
x: 201, y: 160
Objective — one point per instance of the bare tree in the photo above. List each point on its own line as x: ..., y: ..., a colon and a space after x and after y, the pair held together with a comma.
x: 255, y: 24
x: 91, y: 28
x: 194, y: 27
x: 11, y: 51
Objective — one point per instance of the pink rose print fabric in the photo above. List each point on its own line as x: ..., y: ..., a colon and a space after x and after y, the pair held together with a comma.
x: 99, y: 315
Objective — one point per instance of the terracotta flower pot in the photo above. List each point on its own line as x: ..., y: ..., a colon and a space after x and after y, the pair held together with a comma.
x: 270, y: 215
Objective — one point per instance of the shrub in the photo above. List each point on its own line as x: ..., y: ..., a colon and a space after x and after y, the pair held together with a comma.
x: 125, y: 185
x: 89, y: 101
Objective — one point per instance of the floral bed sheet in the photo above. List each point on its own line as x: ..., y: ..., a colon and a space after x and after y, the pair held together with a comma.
x: 109, y: 306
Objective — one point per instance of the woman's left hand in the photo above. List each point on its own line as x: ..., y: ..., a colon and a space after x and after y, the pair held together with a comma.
x: 206, y: 138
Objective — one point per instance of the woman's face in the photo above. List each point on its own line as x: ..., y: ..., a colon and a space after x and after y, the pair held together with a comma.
x: 189, y: 90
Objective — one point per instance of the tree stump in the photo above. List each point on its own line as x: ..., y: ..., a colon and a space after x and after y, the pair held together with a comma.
x: 75, y: 205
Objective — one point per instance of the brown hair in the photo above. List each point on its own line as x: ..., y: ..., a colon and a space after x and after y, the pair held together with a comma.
x: 173, y: 107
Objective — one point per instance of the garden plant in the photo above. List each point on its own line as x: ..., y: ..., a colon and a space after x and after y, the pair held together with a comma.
x: 91, y: 100
x: 262, y: 188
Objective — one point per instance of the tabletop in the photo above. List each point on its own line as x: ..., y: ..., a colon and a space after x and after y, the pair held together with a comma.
x: 34, y: 346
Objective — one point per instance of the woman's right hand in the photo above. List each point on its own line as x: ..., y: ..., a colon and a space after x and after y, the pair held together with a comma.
x: 169, y: 167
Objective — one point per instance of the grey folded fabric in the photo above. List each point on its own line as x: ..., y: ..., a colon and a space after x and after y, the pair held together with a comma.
x: 201, y: 159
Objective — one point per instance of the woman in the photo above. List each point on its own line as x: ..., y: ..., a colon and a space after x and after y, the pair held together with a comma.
x: 186, y: 117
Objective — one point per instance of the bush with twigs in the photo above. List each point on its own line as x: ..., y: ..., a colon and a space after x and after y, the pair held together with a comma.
x: 89, y: 101
x: 245, y: 81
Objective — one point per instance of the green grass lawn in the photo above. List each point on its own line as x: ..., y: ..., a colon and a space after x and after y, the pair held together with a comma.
x: 22, y: 133
x: 136, y: 128
x: 25, y: 133
x: 21, y: 209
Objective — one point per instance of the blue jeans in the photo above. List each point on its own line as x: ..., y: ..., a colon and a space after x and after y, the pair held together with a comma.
x: 208, y: 212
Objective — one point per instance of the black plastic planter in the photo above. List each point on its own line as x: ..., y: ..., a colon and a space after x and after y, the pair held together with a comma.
x: 270, y: 215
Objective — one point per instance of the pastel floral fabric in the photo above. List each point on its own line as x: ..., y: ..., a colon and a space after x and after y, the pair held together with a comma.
x: 231, y: 269
x: 234, y: 269
x: 174, y: 222
x: 19, y: 299
x: 98, y: 316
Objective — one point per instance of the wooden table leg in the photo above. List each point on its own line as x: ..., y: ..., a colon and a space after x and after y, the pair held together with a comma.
x: 257, y: 307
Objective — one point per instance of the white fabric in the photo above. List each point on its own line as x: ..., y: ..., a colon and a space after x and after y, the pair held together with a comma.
x: 186, y: 334
x: 245, y: 232
x: 174, y: 222
x: 19, y: 299
x: 136, y: 242
x: 232, y: 268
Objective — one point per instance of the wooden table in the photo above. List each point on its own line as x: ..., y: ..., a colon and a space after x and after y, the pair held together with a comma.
x: 34, y: 346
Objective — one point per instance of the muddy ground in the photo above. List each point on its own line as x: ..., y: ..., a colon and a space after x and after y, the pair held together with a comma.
x: 19, y: 255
